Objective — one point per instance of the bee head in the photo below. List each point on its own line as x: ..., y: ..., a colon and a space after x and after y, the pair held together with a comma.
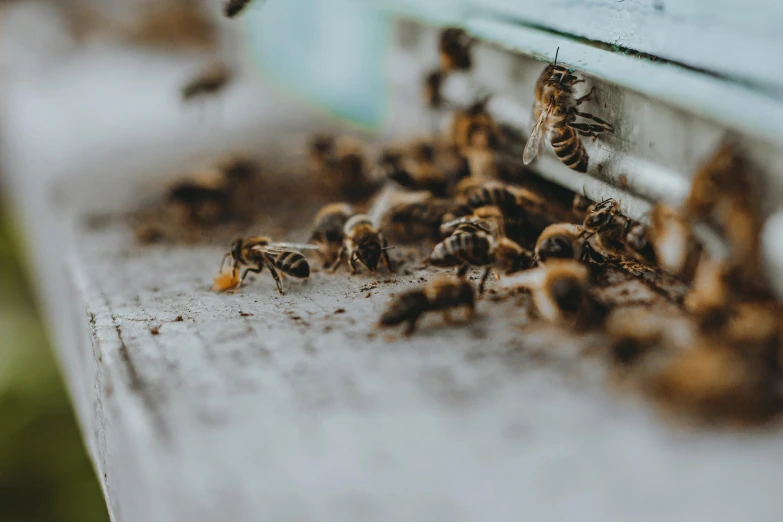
x: 600, y: 216
x: 370, y: 254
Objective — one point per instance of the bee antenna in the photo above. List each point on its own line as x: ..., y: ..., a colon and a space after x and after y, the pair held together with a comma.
x: 556, y: 53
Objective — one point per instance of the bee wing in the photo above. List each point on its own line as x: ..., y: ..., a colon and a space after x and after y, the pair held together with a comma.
x: 533, y: 145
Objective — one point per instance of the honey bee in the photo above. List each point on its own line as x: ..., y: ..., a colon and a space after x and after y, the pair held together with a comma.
x: 328, y: 230
x: 259, y: 252
x: 414, y: 220
x: 441, y: 295
x: 555, y: 112
x: 488, y: 219
x: 565, y: 241
x: 671, y: 237
x: 202, y: 197
x: 475, y: 127
x: 214, y: 78
x: 454, y: 50
x: 559, y: 289
x: 428, y: 166
x: 343, y: 165
x: 363, y: 243
x: 480, y: 249
x: 712, y: 295
x: 433, y: 93
x: 617, y: 233
x: 723, y: 191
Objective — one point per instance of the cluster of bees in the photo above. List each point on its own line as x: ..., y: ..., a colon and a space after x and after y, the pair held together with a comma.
x: 467, y: 192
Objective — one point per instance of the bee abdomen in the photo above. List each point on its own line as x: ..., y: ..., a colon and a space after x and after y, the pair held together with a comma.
x: 294, y: 264
x: 462, y: 248
x: 499, y: 196
x: 569, y: 148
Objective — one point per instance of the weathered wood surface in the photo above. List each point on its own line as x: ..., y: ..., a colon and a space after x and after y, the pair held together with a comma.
x: 256, y: 406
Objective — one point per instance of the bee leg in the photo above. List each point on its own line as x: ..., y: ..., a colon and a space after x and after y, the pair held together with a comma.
x: 584, y: 98
x: 223, y: 262
x: 585, y: 129
x: 484, y: 278
x: 385, y: 254
x: 256, y: 270
x: 276, y: 276
x: 606, y: 126
x: 339, y: 260
x: 352, y: 261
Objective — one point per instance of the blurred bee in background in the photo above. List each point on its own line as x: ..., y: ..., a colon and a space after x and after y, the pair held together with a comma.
x: 480, y: 249
x: 328, y: 231
x: 488, y: 219
x: 424, y: 166
x: 210, y: 81
x: 559, y: 292
x: 723, y: 192
x: 233, y: 8
x: 442, y: 295
x: 555, y: 112
x: 342, y: 165
x: 671, y: 237
x: 201, y: 198
x: 422, y: 218
x: 259, y: 252
x: 363, y: 243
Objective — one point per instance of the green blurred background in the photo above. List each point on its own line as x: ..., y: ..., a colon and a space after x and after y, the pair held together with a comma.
x: 45, y: 474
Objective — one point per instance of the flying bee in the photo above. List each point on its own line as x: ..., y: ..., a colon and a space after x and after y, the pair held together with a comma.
x: 676, y: 248
x: 213, y: 79
x: 414, y: 220
x: 555, y: 112
x: 441, y: 295
x: 482, y: 250
x: 328, y: 230
x: 475, y: 127
x: 259, y: 252
x: 565, y: 241
x: 559, y: 290
x: 488, y: 219
x: 363, y: 243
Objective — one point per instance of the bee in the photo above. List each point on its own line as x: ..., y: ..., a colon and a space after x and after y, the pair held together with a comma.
x: 328, y: 230
x: 478, y: 248
x: 363, y: 243
x: 454, y: 50
x: 555, y: 112
x: 559, y: 289
x: 433, y: 89
x: 428, y: 166
x: 214, y: 78
x: 712, y: 295
x: 343, y: 165
x: 441, y: 295
x: 488, y: 219
x: 475, y: 127
x: 724, y: 192
x: 201, y: 198
x: 565, y: 241
x: 617, y: 233
x: 671, y: 237
x: 580, y: 205
x: 414, y: 220
x: 259, y: 252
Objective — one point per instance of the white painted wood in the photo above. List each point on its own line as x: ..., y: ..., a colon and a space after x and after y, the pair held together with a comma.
x: 740, y: 40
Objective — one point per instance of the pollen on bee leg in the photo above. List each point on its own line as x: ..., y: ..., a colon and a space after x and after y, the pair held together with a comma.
x: 226, y: 280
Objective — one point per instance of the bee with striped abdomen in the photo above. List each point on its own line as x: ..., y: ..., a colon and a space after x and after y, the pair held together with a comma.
x: 565, y: 241
x: 477, y: 248
x: 441, y: 295
x: 487, y: 219
x: 259, y: 252
x: 328, y: 230
x: 363, y: 243
x: 555, y: 112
